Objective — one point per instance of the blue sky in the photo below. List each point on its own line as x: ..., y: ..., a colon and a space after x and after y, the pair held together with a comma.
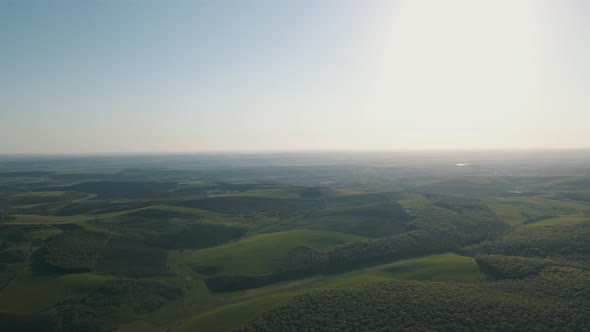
x: 174, y: 76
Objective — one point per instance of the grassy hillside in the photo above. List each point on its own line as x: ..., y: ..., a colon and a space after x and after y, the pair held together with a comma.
x: 268, y: 250
x: 232, y: 316
x: 561, y: 220
x: 436, y: 267
x: 517, y: 210
x: 30, y: 292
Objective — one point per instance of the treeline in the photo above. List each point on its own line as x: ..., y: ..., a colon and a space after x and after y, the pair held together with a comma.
x: 245, y: 204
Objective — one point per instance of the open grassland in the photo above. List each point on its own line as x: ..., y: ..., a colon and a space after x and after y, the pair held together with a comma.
x: 517, y: 210
x: 232, y: 316
x: 562, y: 220
x: 437, y: 267
x: 259, y: 254
x: 412, y: 200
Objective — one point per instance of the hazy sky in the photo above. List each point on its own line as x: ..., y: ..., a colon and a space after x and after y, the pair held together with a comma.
x: 152, y: 76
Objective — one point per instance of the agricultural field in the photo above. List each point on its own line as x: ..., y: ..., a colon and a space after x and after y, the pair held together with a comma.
x: 139, y: 248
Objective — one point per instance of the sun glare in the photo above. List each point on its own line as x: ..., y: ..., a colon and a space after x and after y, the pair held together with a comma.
x: 457, y: 65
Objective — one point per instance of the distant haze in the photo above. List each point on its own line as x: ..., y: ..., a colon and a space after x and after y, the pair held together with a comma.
x: 252, y: 75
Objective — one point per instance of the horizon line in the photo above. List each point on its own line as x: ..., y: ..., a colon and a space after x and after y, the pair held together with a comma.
x: 288, y: 151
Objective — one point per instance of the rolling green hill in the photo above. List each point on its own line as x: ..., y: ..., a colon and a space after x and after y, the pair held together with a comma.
x: 221, y: 245
x: 269, y: 249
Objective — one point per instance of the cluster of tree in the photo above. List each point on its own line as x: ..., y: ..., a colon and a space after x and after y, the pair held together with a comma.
x: 11, y: 235
x: 232, y: 283
x: 435, y: 229
x: 514, y: 267
x: 13, y: 252
x: 299, y: 262
x: 131, y: 257
x: 200, y: 235
x: 467, y: 219
x: 374, y: 219
x: 28, y: 322
x: 568, y: 242
x: 105, y: 305
x: 512, y: 305
x: 73, y: 251
x: 12, y: 256
x: 172, y: 234
x: 302, y: 261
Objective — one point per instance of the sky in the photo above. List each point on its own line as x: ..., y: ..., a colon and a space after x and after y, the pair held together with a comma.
x: 293, y: 75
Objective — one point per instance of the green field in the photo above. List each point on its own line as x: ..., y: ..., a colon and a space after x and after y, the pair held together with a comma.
x: 562, y: 220
x: 437, y: 268
x: 268, y: 249
x: 413, y: 200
